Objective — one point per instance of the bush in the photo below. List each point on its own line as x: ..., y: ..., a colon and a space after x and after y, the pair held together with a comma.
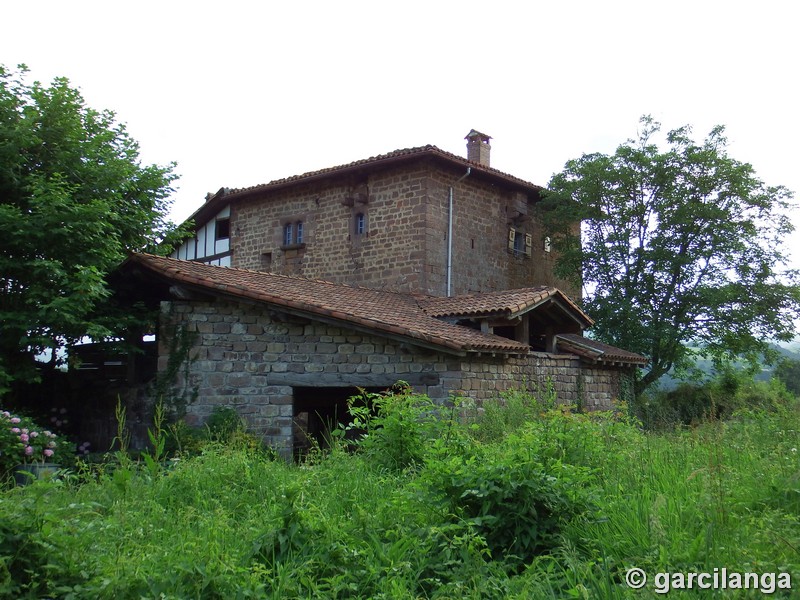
x: 719, y: 398
x: 518, y: 494
x: 22, y: 441
x: 395, y: 428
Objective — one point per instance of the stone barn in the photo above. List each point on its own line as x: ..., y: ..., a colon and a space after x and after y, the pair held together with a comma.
x: 284, y: 349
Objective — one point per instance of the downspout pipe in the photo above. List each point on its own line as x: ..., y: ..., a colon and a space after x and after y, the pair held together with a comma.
x: 450, y: 234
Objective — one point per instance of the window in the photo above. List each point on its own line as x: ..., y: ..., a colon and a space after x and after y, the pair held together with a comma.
x: 293, y: 233
x: 520, y: 243
x: 360, y: 224
x: 222, y: 229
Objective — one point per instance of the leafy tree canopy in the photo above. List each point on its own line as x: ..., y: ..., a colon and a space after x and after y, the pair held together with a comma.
x: 679, y: 246
x: 74, y: 200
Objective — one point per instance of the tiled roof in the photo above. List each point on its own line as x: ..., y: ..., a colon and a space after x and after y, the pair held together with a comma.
x: 379, y: 310
x: 225, y: 195
x: 595, y: 351
x: 504, y: 303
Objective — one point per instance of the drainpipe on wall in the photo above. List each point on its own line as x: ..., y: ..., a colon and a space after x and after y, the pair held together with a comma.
x: 450, y: 234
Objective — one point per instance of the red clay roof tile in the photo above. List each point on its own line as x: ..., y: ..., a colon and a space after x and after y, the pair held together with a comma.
x: 380, y: 310
x: 596, y: 351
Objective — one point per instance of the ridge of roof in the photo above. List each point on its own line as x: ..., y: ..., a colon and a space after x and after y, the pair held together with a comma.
x: 225, y: 194
x: 401, y: 153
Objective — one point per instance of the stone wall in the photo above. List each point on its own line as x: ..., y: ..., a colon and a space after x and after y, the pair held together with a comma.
x: 405, y: 244
x: 386, y: 255
x: 251, y: 357
x: 483, y: 213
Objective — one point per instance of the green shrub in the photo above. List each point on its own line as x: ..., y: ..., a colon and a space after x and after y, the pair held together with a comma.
x: 517, y: 495
x: 396, y: 428
x: 718, y: 398
x: 223, y: 423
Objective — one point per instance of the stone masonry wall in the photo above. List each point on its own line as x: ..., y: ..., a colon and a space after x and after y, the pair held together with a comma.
x: 482, y: 216
x: 405, y: 245
x: 386, y: 255
x: 592, y: 388
x: 250, y: 358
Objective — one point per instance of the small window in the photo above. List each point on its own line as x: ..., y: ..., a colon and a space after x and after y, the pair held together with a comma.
x: 222, y: 230
x: 288, y: 234
x: 361, y: 224
x: 519, y: 241
x: 298, y: 231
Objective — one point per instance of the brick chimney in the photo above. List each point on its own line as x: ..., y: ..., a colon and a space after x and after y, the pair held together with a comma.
x: 478, y: 147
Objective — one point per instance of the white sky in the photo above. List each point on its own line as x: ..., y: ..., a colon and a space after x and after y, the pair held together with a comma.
x: 240, y: 93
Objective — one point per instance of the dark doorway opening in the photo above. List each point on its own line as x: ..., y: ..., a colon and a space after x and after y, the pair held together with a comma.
x: 318, y: 411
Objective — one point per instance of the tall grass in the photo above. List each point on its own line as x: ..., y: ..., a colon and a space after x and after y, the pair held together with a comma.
x: 536, y: 502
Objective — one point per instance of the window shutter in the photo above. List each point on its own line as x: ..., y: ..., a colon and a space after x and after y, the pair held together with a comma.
x: 528, y: 245
x: 512, y: 234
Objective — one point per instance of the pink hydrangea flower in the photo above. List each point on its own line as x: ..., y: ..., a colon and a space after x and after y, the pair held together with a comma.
x: 28, y: 450
x: 23, y: 437
x: 15, y: 430
x: 15, y: 420
x: 34, y: 434
x: 48, y: 453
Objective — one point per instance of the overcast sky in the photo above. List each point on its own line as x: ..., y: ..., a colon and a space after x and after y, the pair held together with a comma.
x: 241, y: 93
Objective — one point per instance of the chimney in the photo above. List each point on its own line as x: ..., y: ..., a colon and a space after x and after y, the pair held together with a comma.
x: 478, y: 147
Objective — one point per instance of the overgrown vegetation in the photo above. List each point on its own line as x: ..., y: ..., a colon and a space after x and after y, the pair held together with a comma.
x: 524, y: 499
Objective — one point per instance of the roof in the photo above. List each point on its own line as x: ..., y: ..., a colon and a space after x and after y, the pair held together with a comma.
x: 380, y: 311
x: 413, y: 317
x: 507, y: 304
x: 597, y: 352
x: 225, y: 195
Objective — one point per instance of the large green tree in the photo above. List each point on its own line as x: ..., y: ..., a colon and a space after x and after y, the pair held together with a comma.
x: 680, y: 248
x: 74, y: 200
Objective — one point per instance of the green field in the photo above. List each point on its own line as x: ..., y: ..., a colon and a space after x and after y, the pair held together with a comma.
x: 522, y: 500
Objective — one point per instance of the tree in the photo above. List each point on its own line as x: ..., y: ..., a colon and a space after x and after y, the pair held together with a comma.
x: 788, y: 371
x: 679, y: 247
x: 74, y: 200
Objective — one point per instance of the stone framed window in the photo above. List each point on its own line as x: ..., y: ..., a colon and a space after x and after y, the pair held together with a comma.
x: 360, y: 223
x: 294, y: 233
x: 520, y: 243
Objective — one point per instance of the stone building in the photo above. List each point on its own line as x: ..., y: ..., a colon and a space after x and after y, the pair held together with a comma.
x: 416, y: 220
x: 284, y: 349
x: 417, y: 265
